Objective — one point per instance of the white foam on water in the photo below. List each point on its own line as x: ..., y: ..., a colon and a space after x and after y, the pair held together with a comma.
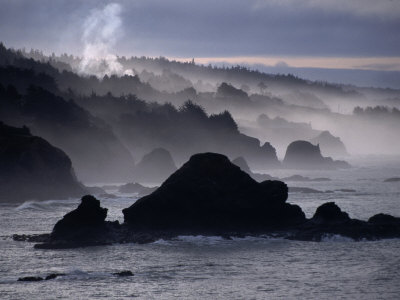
x: 336, y: 238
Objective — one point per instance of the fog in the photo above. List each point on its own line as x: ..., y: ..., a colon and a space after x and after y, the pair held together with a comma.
x: 109, y: 112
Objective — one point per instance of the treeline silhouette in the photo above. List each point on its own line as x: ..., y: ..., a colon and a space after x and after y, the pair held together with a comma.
x: 102, y: 131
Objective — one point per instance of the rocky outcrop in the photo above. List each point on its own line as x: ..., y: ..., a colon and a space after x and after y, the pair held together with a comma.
x: 210, y: 193
x: 31, y: 168
x: 304, y: 155
x: 242, y: 164
x: 330, y: 145
x: 154, y: 167
x: 84, y: 226
x: 330, y: 213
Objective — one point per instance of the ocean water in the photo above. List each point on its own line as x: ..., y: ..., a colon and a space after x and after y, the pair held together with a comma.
x: 212, y: 267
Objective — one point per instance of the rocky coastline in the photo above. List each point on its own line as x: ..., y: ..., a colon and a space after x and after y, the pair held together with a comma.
x: 210, y: 196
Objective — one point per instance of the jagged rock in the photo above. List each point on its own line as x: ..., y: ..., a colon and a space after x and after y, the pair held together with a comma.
x: 330, y: 145
x: 31, y: 168
x: 210, y: 193
x: 330, y: 213
x: 136, y: 188
x: 88, y: 214
x: 304, y: 155
x: 84, y: 226
x: 155, y: 166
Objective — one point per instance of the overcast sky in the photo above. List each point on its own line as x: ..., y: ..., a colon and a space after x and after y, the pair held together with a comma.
x: 303, y: 33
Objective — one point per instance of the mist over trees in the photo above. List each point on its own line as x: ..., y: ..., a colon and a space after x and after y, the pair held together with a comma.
x: 106, y: 125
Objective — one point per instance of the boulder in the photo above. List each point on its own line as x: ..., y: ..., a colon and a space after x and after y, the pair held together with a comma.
x: 330, y: 213
x: 304, y: 155
x: 31, y: 168
x: 154, y: 167
x: 210, y: 193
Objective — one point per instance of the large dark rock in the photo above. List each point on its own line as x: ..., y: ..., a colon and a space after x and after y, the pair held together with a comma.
x: 31, y: 168
x: 384, y: 219
x: 83, y: 226
x: 330, y: 213
x: 304, y: 155
x: 88, y: 214
x: 210, y: 193
x: 330, y: 145
x: 154, y: 167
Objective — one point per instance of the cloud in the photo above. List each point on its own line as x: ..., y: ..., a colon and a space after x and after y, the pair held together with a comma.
x: 208, y: 28
x: 382, y: 8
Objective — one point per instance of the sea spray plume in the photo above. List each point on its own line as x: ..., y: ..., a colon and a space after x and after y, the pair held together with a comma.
x: 101, y: 31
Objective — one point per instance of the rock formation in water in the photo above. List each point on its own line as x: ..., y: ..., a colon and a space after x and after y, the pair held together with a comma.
x: 31, y: 168
x: 84, y: 226
x: 242, y: 164
x: 304, y: 155
x: 330, y: 213
x: 330, y: 145
x: 210, y: 193
x: 154, y: 167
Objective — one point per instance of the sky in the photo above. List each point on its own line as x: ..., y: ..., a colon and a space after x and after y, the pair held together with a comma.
x: 340, y: 34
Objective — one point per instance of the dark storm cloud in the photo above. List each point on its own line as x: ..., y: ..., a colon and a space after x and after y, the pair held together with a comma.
x: 214, y: 28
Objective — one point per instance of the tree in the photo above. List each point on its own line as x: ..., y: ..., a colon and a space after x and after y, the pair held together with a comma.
x: 262, y: 86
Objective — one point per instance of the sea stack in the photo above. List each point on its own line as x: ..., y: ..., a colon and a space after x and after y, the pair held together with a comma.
x: 209, y: 193
x: 304, y: 155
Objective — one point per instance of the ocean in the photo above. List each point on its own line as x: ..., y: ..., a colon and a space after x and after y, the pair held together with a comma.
x: 198, y: 267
